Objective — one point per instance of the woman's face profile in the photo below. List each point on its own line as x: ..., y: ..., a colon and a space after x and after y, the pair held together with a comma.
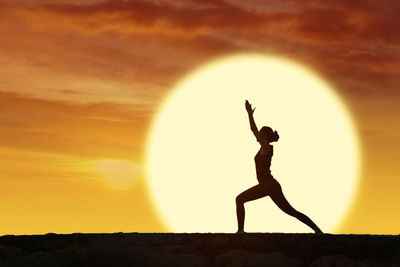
x: 263, y: 137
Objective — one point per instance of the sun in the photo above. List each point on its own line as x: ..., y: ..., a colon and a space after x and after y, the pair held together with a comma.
x: 201, y: 150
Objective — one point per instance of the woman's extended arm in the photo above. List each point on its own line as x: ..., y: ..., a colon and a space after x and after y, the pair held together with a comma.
x: 250, y: 112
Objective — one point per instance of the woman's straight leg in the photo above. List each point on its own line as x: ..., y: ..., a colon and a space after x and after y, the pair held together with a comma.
x: 281, y: 201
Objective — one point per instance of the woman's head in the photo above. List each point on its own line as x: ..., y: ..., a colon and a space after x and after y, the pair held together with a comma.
x: 267, y: 134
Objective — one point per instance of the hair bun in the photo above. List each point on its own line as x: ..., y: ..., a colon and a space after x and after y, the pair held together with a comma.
x: 275, y: 136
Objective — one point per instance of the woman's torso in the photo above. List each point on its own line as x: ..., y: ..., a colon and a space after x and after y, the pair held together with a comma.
x: 263, y: 164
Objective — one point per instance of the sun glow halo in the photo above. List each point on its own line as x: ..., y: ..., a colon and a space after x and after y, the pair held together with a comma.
x: 200, y: 151
x: 119, y: 174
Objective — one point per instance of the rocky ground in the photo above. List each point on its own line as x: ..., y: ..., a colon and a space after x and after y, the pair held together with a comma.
x: 192, y: 250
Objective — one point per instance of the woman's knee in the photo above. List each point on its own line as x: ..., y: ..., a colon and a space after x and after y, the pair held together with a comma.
x: 239, y: 200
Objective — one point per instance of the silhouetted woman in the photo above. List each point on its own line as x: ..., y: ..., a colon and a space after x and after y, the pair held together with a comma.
x: 267, y: 185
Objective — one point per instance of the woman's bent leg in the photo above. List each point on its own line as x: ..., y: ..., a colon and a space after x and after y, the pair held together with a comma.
x: 250, y: 194
x: 281, y: 201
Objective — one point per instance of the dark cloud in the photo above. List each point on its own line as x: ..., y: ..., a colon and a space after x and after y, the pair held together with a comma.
x: 330, y: 21
x: 153, y: 43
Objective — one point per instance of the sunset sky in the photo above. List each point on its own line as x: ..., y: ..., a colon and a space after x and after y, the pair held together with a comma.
x: 81, y: 80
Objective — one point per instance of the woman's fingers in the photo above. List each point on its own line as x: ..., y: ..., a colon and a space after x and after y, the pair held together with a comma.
x: 249, y: 108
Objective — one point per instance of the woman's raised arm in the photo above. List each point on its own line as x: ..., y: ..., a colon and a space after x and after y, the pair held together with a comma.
x: 253, y: 125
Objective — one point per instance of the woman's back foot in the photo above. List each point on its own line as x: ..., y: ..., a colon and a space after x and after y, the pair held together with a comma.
x: 318, y: 231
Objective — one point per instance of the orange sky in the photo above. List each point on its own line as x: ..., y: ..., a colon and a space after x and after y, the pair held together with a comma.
x: 81, y: 80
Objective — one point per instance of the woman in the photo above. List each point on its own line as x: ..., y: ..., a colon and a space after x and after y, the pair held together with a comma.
x: 267, y: 185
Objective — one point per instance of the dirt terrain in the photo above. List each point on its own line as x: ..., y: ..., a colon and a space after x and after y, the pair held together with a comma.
x: 192, y: 250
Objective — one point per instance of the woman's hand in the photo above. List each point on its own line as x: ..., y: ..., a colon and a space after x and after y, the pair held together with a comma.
x: 249, y: 109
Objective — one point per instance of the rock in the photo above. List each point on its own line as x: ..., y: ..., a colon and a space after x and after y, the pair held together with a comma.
x: 393, y: 262
x: 36, y: 259
x: 167, y: 259
x: 337, y: 261
x: 238, y: 258
x: 197, y: 250
x: 7, y: 252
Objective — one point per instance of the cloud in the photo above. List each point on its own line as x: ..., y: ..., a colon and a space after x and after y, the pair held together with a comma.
x: 149, y: 45
x: 310, y: 20
x: 91, y: 130
x: 140, y: 17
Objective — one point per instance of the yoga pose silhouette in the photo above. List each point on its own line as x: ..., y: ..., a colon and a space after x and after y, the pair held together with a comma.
x: 267, y: 185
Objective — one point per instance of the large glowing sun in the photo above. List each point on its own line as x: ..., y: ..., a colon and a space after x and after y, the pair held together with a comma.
x: 201, y: 150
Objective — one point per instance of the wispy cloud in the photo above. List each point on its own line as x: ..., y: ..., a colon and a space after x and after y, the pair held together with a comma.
x: 92, y: 130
